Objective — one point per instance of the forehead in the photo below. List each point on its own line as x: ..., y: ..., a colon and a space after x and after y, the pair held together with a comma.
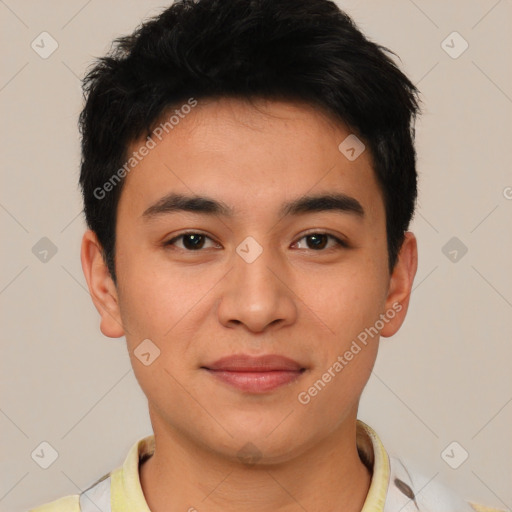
x: 251, y: 155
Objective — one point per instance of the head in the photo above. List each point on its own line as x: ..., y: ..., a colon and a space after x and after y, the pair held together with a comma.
x: 282, y: 141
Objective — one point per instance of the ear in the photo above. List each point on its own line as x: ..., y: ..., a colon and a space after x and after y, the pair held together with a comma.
x: 101, y: 286
x: 400, y: 284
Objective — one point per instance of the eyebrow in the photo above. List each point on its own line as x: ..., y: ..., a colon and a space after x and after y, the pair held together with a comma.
x: 173, y: 202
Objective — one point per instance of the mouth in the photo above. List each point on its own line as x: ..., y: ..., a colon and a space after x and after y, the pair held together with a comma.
x: 255, y: 374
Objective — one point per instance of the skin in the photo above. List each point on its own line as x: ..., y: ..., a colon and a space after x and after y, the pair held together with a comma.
x: 293, y: 300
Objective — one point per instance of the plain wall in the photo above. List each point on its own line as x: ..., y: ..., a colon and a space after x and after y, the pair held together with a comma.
x: 444, y: 377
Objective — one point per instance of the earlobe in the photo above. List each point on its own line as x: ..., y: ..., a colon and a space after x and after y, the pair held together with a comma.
x: 400, y: 286
x: 101, y: 286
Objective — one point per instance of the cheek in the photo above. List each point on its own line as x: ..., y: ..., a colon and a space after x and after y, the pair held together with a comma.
x: 331, y: 393
x: 346, y: 299
x: 148, y: 293
x: 352, y: 305
x: 163, y: 303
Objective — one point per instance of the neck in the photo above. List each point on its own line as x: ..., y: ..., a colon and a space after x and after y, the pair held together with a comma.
x: 328, y: 476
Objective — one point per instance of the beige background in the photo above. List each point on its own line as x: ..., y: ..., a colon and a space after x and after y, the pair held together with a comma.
x: 444, y: 377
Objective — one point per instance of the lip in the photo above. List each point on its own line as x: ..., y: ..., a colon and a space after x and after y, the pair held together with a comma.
x: 255, y: 374
x: 247, y: 363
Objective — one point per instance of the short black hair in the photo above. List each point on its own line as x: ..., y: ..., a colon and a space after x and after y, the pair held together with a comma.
x: 303, y: 50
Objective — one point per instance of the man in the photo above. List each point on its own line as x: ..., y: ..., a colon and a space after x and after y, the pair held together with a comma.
x: 248, y: 174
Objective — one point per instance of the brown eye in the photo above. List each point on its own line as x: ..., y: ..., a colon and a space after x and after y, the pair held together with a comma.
x: 319, y: 241
x: 190, y: 241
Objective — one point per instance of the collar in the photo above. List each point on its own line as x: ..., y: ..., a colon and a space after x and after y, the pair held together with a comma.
x: 127, y: 494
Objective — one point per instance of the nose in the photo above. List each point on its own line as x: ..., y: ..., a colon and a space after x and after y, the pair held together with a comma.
x: 257, y: 295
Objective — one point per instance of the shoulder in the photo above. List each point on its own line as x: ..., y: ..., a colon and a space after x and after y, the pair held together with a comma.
x: 114, y: 484
x: 65, y: 504
x: 410, y: 489
x: 483, y: 508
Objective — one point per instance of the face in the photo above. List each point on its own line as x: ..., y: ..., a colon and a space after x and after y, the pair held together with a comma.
x: 261, y: 268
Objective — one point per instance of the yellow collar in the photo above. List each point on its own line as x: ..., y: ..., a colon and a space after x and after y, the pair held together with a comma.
x: 127, y: 494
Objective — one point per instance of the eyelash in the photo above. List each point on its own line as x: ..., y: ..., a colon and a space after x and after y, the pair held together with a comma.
x: 339, y: 243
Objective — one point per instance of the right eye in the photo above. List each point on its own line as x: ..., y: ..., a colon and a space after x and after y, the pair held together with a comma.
x: 191, y: 241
